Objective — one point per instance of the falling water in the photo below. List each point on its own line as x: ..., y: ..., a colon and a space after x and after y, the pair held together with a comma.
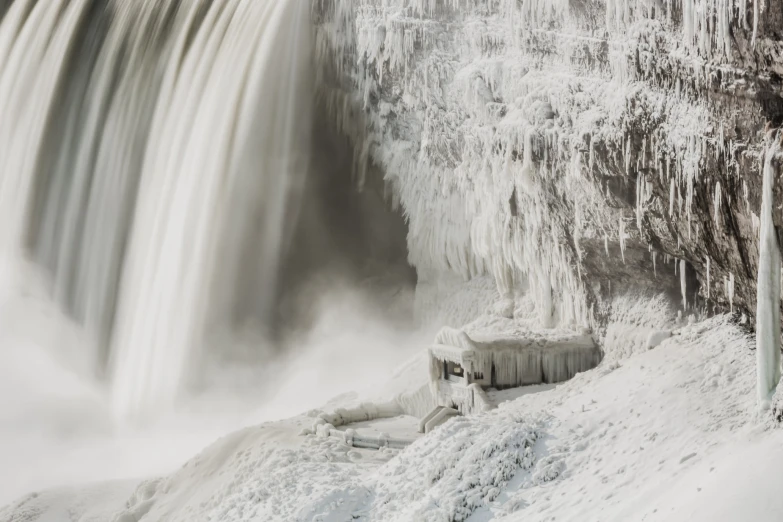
x: 151, y: 155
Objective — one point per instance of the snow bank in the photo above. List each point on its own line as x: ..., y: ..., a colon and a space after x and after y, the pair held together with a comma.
x: 633, y: 321
x: 254, y: 475
x: 618, y: 443
x: 258, y: 473
x: 92, y: 503
x: 739, y: 482
x: 462, y: 465
x: 625, y: 431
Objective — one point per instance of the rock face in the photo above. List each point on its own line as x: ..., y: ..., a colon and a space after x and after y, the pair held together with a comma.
x: 566, y: 145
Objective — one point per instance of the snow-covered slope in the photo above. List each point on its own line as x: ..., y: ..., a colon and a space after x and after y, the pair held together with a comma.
x: 659, y: 435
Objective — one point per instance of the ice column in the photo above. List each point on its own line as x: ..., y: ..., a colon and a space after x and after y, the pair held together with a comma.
x: 768, y: 297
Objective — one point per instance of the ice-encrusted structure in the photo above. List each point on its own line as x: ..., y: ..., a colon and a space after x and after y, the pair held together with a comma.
x: 503, y: 360
x: 573, y: 147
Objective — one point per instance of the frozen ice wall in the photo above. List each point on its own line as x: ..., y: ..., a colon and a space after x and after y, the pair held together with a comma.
x: 574, y: 148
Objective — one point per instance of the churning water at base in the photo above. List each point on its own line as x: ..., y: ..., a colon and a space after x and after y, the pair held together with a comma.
x: 151, y: 155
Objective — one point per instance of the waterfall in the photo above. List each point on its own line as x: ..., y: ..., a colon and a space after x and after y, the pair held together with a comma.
x: 151, y: 157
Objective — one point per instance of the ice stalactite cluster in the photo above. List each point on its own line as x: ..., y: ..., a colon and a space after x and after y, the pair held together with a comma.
x: 510, y: 133
x: 469, y: 171
x: 683, y: 285
x: 706, y: 24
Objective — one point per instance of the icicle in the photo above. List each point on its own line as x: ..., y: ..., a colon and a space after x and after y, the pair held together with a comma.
x: 768, y: 289
x: 639, y: 198
x: 708, y: 277
x: 576, y: 164
x: 756, y: 15
x: 688, y: 20
x: 577, y: 234
x: 527, y: 163
x: 745, y: 195
x: 671, y: 198
x: 683, y: 285
x: 545, y: 311
x: 716, y: 204
x: 606, y: 244
x: 679, y: 200
x: 592, y: 154
x: 622, y: 239
x: 730, y: 291
x: 655, y: 268
x: 743, y: 11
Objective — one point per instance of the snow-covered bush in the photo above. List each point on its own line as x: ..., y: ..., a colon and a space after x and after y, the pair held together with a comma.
x: 461, y: 466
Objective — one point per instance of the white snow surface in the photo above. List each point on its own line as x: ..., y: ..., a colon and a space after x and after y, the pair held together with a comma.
x: 664, y: 434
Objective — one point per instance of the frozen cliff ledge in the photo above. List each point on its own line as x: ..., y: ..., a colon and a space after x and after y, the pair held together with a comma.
x: 553, y: 143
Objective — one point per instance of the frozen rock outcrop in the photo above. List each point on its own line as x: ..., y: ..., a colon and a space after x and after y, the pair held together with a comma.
x: 578, y: 147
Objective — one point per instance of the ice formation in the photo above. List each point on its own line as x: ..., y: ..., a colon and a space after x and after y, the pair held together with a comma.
x: 729, y: 284
x: 495, y: 156
x: 716, y: 203
x: 683, y: 285
x: 768, y: 300
x: 504, y: 359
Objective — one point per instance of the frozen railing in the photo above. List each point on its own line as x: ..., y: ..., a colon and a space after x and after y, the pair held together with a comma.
x: 364, y: 412
x: 357, y: 440
x: 325, y: 426
x: 479, y: 400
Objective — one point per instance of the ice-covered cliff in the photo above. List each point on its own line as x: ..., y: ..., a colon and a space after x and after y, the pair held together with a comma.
x: 573, y: 145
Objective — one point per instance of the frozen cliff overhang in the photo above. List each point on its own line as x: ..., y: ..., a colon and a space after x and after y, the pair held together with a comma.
x: 566, y: 144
